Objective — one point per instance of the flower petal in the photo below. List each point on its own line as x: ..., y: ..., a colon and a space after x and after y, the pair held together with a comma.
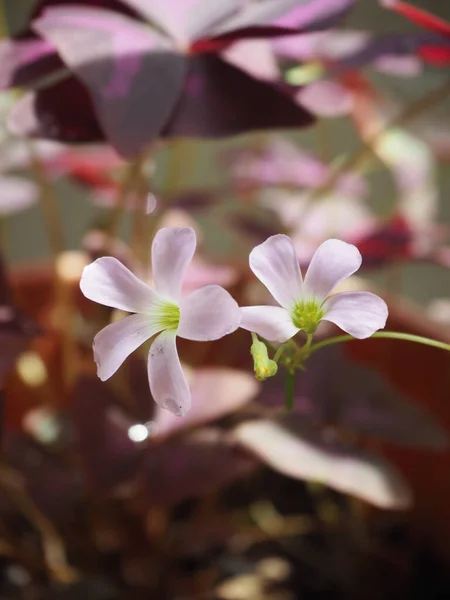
x: 208, y: 314
x: 167, y: 382
x: 114, y: 343
x: 172, y: 251
x: 270, y: 322
x: 275, y: 264
x: 108, y: 282
x: 358, y: 313
x: 332, y: 262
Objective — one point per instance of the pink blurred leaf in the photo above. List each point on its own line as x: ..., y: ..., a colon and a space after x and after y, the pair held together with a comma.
x: 288, y: 448
x: 16, y: 194
x: 216, y: 392
x: 282, y: 163
x: 325, y: 99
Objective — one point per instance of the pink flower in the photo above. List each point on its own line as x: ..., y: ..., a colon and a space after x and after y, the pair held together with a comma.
x: 305, y: 303
x: 206, y: 314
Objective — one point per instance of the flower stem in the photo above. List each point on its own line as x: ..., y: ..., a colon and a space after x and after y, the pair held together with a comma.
x: 279, y: 353
x: 50, y: 207
x: 289, y: 390
x: 131, y: 178
x: 392, y: 335
x: 3, y: 21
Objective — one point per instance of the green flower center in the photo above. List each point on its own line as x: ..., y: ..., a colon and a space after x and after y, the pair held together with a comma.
x: 307, y: 314
x: 169, y: 316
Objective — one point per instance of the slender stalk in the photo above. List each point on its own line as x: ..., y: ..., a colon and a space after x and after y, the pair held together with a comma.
x: 50, y: 207
x: 392, y: 335
x: 279, y: 353
x: 3, y: 21
x: 289, y: 390
x: 130, y: 181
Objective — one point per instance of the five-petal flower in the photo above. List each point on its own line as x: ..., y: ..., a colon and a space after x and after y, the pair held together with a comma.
x: 303, y: 304
x: 205, y: 314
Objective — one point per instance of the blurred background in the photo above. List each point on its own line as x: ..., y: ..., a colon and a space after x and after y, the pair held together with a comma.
x: 105, y: 496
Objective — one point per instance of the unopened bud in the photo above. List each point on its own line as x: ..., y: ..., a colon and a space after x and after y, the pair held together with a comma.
x: 264, y: 366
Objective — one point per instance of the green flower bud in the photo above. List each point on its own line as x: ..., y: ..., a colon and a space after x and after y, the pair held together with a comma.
x: 264, y: 366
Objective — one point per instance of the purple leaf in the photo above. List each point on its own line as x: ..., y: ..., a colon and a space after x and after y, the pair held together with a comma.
x: 407, y: 44
x: 287, y: 447
x: 23, y: 62
x: 316, y: 14
x: 16, y: 194
x: 273, y: 18
x: 221, y: 100
x: 55, y: 488
x: 185, y: 20
x: 360, y: 400
x: 355, y: 399
x: 193, y: 467
x: 215, y: 393
x: 282, y: 163
x: 62, y: 112
x: 133, y: 74
x: 109, y: 456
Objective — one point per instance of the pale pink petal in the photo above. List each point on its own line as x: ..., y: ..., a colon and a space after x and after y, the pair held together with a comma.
x: 172, y: 251
x: 114, y: 343
x: 107, y: 281
x: 332, y: 262
x: 167, y: 382
x: 270, y: 322
x: 326, y: 99
x: 358, y: 313
x: 275, y: 264
x: 208, y: 314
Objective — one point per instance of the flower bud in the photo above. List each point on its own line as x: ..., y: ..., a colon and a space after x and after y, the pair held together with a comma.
x: 264, y: 366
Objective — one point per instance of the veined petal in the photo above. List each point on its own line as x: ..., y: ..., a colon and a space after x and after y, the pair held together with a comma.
x: 275, y: 264
x: 208, y: 314
x: 332, y: 262
x: 167, y: 382
x: 358, y: 313
x: 270, y: 322
x: 114, y: 343
x: 172, y: 252
x: 107, y: 281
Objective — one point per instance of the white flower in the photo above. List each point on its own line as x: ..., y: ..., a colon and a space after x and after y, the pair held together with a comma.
x: 305, y: 303
x: 206, y: 314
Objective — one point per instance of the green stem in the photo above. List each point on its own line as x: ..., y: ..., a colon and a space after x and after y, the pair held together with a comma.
x: 50, y: 206
x: 278, y: 353
x: 392, y: 335
x: 289, y: 389
x: 3, y: 21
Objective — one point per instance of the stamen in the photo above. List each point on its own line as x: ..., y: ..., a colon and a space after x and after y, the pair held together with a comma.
x: 307, y: 314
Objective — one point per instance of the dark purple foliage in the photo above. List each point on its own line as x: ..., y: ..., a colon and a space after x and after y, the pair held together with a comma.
x: 144, y: 83
x: 109, y: 457
x: 352, y: 398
